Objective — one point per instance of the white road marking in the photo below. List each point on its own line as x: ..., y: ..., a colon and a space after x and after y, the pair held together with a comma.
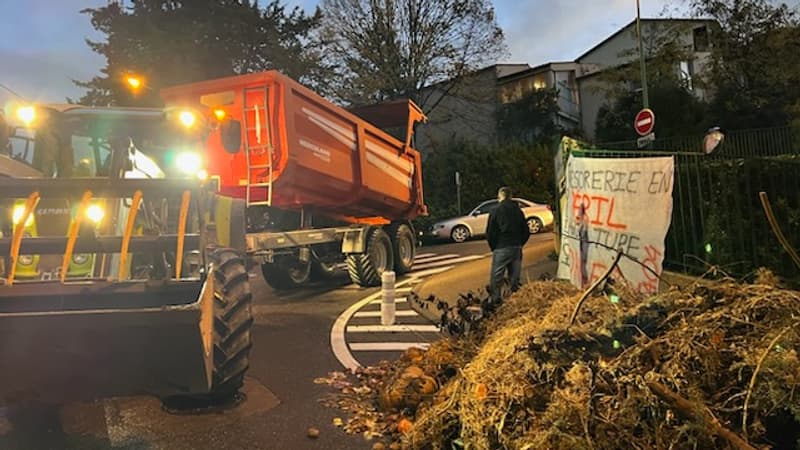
x: 401, y: 313
x: 397, y: 300
x: 392, y: 328
x: 425, y: 273
x: 423, y: 255
x: 338, y: 343
x: 387, y: 346
x: 433, y: 258
x: 426, y: 265
x: 450, y: 261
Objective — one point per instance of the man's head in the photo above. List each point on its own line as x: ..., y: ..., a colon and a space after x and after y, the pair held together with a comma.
x: 504, y: 193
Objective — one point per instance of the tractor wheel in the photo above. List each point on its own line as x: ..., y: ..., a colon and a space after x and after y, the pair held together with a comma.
x: 366, y: 268
x: 233, y: 320
x: 404, y: 246
x: 286, y: 273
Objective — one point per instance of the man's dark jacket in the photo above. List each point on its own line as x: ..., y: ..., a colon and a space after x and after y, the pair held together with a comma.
x: 507, y: 226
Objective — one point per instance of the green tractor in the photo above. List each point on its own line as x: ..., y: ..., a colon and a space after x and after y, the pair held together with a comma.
x: 122, y: 271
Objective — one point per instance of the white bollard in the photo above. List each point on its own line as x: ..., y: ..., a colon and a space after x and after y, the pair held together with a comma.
x: 387, y: 295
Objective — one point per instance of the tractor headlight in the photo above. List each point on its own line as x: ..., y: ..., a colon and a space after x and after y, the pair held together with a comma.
x: 25, y: 260
x: 17, y: 213
x: 26, y: 114
x: 95, y: 213
x: 80, y: 259
x: 191, y: 164
x: 187, y: 118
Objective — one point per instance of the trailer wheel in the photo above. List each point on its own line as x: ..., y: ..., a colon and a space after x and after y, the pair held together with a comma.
x: 404, y: 245
x: 233, y: 320
x: 366, y: 268
x: 286, y: 273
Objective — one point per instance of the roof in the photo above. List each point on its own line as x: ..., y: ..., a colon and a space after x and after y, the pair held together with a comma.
x: 73, y: 109
x: 533, y: 70
x: 633, y: 23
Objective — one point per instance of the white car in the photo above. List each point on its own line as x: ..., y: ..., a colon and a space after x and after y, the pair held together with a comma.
x: 459, y: 229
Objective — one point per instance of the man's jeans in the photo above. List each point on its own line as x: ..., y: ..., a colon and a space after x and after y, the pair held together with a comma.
x: 505, y: 259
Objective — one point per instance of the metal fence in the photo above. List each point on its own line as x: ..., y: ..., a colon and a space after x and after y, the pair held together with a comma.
x: 717, y: 217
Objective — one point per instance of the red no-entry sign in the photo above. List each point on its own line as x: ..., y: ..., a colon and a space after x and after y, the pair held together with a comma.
x: 644, y: 122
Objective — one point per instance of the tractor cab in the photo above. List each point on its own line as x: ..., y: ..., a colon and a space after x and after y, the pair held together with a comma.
x: 74, y: 142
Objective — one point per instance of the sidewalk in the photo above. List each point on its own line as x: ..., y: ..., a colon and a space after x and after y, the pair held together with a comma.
x: 475, y: 275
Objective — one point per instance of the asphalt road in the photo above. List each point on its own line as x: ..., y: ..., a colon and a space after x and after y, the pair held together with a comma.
x: 292, y: 346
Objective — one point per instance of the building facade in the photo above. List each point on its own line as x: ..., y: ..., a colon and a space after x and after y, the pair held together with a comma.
x: 467, y: 110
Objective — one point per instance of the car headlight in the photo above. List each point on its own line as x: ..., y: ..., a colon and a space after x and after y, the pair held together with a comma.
x: 17, y: 213
x: 25, y: 260
x: 80, y: 259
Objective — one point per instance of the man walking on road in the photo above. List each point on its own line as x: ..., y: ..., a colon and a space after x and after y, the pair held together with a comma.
x: 506, y: 232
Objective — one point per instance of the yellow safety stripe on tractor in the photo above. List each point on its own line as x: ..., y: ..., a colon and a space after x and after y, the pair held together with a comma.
x: 24, y: 223
x: 222, y: 219
x: 74, y: 227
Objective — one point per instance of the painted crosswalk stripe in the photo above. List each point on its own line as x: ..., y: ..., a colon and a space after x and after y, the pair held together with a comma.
x: 392, y: 329
x: 434, y: 258
x: 429, y: 272
x: 397, y: 300
x: 449, y: 261
x: 423, y: 255
x: 401, y: 313
x: 387, y: 346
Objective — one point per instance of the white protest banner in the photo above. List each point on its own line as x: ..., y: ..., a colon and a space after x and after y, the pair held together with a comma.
x: 616, y: 204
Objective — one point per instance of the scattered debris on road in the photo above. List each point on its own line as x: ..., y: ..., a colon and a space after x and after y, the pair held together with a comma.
x: 313, y: 433
x: 710, y: 365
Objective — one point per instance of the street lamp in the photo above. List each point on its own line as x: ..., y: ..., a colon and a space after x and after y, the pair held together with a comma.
x: 134, y: 82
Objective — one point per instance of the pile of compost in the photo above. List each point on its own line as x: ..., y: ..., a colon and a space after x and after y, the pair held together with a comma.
x: 708, y: 366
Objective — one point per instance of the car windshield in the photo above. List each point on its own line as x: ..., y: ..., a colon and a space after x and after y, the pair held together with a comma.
x: 80, y: 146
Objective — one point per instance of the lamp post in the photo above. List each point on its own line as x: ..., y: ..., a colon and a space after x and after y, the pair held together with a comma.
x: 645, y: 95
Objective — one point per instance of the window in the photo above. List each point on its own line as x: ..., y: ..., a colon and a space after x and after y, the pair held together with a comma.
x: 486, y: 208
x: 701, y: 41
x: 89, y: 155
x: 22, y: 144
x: 685, y: 73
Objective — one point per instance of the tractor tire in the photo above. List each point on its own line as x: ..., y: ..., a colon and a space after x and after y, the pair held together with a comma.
x: 366, y: 268
x: 404, y: 246
x: 286, y: 273
x: 233, y: 320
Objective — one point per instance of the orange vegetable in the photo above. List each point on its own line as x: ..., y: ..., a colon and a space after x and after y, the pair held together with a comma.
x: 481, y: 391
x: 404, y: 426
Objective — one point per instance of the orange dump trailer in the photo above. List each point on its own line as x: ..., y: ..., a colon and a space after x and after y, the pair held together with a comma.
x: 297, y: 150
x: 323, y: 185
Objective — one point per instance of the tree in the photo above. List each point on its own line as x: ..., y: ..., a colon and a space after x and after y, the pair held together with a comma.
x: 680, y: 113
x: 529, y: 119
x: 171, y: 42
x: 671, y: 91
x: 755, y: 66
x: 386, y: 49
x: 527, y: 168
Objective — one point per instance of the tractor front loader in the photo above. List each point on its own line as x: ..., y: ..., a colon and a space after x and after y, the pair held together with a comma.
x: 141, y: 290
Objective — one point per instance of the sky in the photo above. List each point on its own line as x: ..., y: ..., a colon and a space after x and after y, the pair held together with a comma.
x: 43, y: 48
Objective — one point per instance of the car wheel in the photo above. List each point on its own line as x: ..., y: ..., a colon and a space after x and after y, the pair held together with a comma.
x: 535, y: 225
x: 459, y: 234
